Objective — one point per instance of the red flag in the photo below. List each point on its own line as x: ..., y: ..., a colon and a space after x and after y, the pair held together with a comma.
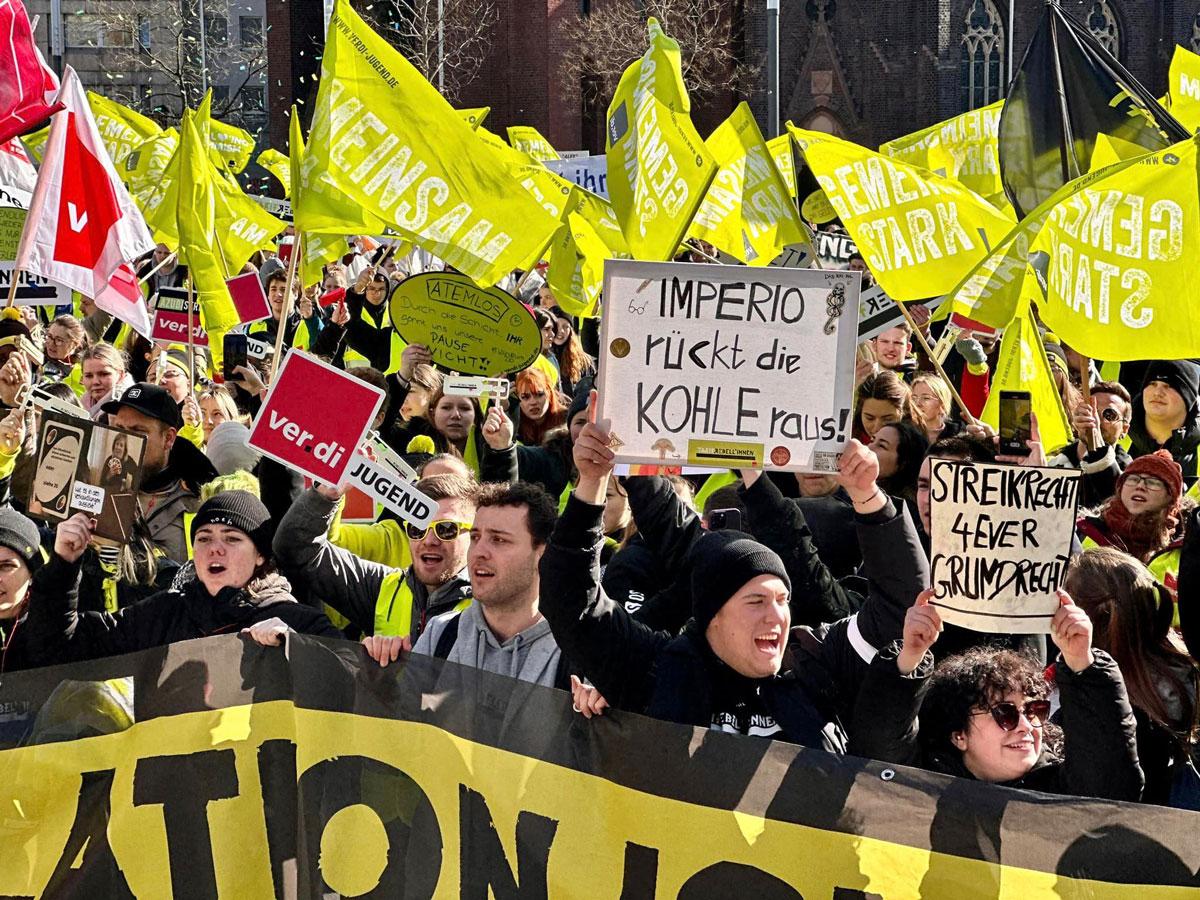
x: 27, y: 85
x: 83, y: 227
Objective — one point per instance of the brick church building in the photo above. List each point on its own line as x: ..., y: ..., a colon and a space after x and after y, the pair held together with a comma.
x: 867, y: 70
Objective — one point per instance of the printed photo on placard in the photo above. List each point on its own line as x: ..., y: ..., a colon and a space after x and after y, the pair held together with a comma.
x: 60, y: 450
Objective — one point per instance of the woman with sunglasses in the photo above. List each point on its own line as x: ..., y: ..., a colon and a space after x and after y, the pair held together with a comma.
x: 985, y: 714
x: 1144, y: 517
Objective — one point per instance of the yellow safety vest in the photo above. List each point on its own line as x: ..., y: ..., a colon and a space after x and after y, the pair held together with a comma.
x: 1164, y: 567
x: 353, y: 358
x: 394, y: 606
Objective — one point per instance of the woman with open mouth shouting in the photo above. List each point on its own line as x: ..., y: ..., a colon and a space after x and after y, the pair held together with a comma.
x: 236, y: 588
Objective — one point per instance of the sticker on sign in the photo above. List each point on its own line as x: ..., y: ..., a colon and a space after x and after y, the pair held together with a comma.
x: 461, y: 386
x: 295, y: 428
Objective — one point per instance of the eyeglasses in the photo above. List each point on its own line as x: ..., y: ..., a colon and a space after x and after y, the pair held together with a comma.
x: 1110, y: 415
x: 56, y: 340
x: 1008, y: 717
x: 1148, y: 482
x: 443, y: 529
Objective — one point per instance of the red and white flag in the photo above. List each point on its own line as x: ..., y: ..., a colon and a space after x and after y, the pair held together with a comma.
x: 27, y: 84
x: 16, y: 173
x: 83, y: 228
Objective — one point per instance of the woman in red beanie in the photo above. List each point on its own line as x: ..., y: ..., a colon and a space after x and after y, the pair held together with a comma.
x: 1143, y: 517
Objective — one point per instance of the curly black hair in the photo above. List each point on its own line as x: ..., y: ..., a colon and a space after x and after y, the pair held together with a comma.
x: 972, y: 681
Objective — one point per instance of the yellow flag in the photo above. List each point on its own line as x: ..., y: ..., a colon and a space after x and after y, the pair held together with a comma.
x: 1122, y: 251
x: 317, y: 248
x: 1183, y: 88
x: 385, y: 138
x: 747, y: 211
x: 528, y: 140
x: 151, y: 174
x: 919, y: 233
x: 476, y: 116
x: 35, y: 143
x: 658, y: 168
x: 232, y: 143
x: 963, y: 149
x: 590, y: 235
x: 197, y: 226
x: 1024, y: 366
x: 785, y: 162
x: 121, y: 128
x: 278, y: 165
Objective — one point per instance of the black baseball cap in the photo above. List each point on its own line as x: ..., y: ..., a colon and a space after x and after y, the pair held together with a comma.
x: 150, y: 400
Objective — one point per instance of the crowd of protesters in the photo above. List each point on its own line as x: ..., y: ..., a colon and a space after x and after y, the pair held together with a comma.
x: 769, y: 605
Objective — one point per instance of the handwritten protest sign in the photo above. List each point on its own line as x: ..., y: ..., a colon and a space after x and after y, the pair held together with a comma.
x: 295, y: 427
x: 728, y: 366
x: 86, y: 467
x: 12, y: 221
x: 171, y: 317
x: 467, y: 328
x: 1001, y: 543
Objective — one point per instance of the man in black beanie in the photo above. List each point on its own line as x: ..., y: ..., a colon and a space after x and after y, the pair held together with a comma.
x: 738, y: 665
x: 1166, y: 415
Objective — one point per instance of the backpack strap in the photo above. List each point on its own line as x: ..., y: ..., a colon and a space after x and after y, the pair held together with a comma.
x: 445, y: 641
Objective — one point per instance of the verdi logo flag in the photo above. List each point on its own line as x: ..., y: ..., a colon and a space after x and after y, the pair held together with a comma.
x: 1122, y: 252
x: 963, y: 149
x: 121, y: 128
x: 658, y: 168
x: 475, y: 116
x: 233, y: 144
x: 747, y: 211
x: 1183, y: 88
x: 529, y: 140
x: 780, y: 149
x: 384, y: 138
x: 919, y: 233
x: 1024, y: 366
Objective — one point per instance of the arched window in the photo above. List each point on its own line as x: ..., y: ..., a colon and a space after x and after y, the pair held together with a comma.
x: 1102, y: 23
x: 982, y: 55
x: 1195, y: 41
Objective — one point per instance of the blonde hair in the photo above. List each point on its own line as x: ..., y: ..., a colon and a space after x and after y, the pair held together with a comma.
x: 224, y: 400
x: 937, y: 384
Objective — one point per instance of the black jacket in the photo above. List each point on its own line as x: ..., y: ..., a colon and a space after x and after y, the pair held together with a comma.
x: 1187, y: 592
x: 20, y: 652
x: 61, y: 633
x: 1183, y: 444
x: 549, y: 465
x: 1100, y: 470
x: 678, y: 679
x: 1100, y: 748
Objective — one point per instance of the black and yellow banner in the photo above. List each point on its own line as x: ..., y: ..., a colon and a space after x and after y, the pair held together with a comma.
x: 222, y: 769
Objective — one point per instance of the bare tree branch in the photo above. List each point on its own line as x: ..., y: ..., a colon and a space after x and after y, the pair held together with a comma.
x: 412, y: 27
x: 614, y: 35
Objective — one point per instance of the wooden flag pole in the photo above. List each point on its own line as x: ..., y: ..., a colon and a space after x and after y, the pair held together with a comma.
x: 937, y: 365
x: 297, y: 249
x: 151, y: 273
x: 12, y: 289
x: 1093, y: 439
x: 191, y: 339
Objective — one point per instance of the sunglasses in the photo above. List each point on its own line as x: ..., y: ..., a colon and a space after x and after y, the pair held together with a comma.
x: 1110, y: 415
x: 1008, y: 716
x: 443, y: 529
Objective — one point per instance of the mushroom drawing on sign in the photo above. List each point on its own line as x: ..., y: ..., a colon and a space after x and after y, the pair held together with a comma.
x: 663, y: 447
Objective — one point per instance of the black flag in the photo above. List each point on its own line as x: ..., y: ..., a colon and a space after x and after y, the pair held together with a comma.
x: 1068, y: 90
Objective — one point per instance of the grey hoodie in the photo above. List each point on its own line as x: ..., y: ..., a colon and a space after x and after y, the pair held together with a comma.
x: 529, y: 656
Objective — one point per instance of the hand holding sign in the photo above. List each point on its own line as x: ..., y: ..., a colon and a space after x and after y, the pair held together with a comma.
x: 414, y: 355
x: 593, y: 456
x: 1071, y: 630
x: 12, y: 432
x: 498, y: 429
x: 73, y: 536
x: 13, y: 376
x: 922, y: 626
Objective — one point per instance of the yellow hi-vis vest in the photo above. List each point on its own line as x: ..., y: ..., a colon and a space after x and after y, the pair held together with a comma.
x: 394, y: 606
x: 352, y: 358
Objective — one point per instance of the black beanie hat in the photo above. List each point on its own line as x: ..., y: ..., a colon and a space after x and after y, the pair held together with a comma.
x: 20, y: 535
x: 579, y: 401
x: 722, y: 562
x: 1179, y: 374
x: 240, y: 510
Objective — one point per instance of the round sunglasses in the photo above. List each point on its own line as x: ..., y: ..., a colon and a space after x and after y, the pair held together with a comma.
x: 1008, y: 716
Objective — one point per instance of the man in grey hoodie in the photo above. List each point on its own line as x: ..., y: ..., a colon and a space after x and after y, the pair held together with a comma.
x: 503, y: 631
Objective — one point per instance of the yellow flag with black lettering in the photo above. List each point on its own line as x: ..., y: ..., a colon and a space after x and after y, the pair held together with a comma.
x: 963, y: 149
x: 781, y: 153
x: 658, y: 167
x: 529, y: 140
x: 384, y: 138
x: 278, y: 165
x: 919, y: 233
x: 747, y: 211
x: 1024, y: 366
x: 1121, y: 259
x: 121, y: 128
